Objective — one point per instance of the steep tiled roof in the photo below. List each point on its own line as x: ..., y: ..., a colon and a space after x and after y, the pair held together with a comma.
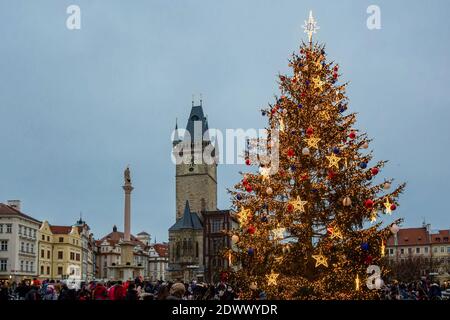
x: 60, y: 229
x: 6, y: 210
x: 115, y: 237
x: 410, y: 237
x: 196, y: 115
x: 190, y: 220
x: 162, y: 249
x: 441, y: 237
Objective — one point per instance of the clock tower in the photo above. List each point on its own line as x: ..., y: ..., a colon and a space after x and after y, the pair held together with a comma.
x: 196, y: 175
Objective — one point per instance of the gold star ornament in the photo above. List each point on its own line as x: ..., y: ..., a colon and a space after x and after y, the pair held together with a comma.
x: 243, y: 216
x: 320, y: 260
x: 272, y: 278
x: 312, y: 142
x: 387, y: 206
x: 298, y: 204
x: 278, y: 233
x: 334, y: 161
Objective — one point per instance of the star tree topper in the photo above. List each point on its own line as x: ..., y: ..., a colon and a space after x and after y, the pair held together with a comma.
x: 311, y: 26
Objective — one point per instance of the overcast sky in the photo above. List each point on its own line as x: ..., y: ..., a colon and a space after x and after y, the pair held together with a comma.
x: 77, y: 106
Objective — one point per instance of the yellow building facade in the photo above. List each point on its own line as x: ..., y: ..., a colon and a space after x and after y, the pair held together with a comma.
x: 60, y: 249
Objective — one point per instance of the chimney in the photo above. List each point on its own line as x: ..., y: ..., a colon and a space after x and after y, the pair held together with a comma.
x: 15, y: 204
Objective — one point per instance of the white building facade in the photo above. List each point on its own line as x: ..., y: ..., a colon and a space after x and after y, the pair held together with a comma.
x: 18, y: 243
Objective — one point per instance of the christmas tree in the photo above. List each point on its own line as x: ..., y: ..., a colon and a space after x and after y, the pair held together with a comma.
x: 310, y: 227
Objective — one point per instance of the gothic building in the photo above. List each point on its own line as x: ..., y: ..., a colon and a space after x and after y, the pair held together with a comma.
x: 196, y: 200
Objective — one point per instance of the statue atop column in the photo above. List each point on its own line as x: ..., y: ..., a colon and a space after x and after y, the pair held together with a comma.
x: 127, y: 176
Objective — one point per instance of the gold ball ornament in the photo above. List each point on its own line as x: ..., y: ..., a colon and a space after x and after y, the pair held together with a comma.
x: 269, y: 191
x: 347, y: 202
x: 386, y: 186
x: 235, y: 238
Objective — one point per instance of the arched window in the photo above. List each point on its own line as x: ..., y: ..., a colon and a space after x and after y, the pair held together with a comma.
x: 196, y: 249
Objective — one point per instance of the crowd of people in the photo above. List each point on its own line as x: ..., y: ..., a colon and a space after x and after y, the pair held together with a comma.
x: 147, y: 290
x: 423, y: 289
x: 116, y: 290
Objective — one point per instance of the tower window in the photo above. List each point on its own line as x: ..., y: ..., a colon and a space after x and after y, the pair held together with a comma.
x: 195, y: 118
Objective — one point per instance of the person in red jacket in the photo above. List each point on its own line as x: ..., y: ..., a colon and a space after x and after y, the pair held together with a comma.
x: 100, y: 292
x: 117, y: 292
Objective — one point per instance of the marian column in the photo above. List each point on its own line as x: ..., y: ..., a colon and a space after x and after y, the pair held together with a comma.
x: 127, y: 187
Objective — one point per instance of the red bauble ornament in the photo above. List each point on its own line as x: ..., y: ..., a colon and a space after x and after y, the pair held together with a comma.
x: 290, y: 152
x: 249, y: 188
x: 336, y: 68
x: 303, y: 94
x: 282, y: 78
x: 393, y: 207
x: 368, y: 204
x: 352, y: 135
x: 368, y: 259
x: 309, y: 131
x: 290, y: 207
x: 247, y: 161
x: 331, y: 174
x: 374, y: 171
x: 244, y: 181
x: 305, y: 177
x: 251, y: 229
x: 301, y: 51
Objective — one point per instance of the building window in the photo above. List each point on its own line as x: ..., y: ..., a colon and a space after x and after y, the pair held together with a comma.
x: 442, y: 250
x: 34, y: 234
x: 20, y: 230
x: 435, y: 249
x: 409, y: 250
x: 48, y: 238
x: 9, y: 228
x: 196, y: 249
x: 1, y: 228
x: 43, y: 238
x: 72, y: 256
x: 48, y: 270
x: 48, y: 254
x: 3, y: 264
x: 32, y: 248
x: 21, y: 265
x: 60, y: 271
x: 61, y: 239
x: 26, y: 266
x: 77, y: 257
x: 417, y: 250
x: 216, y: 225
x: 42, y: 253
x: 425, y: 249
x: 4, y: 245
x: 60, y: 255
x: 448, y: 249
x: 22, y: 247
x: 42, y: 269
x: 402, y: 251
x: 31, y: 266
x: 391, y: 251
x: 28, y: 247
